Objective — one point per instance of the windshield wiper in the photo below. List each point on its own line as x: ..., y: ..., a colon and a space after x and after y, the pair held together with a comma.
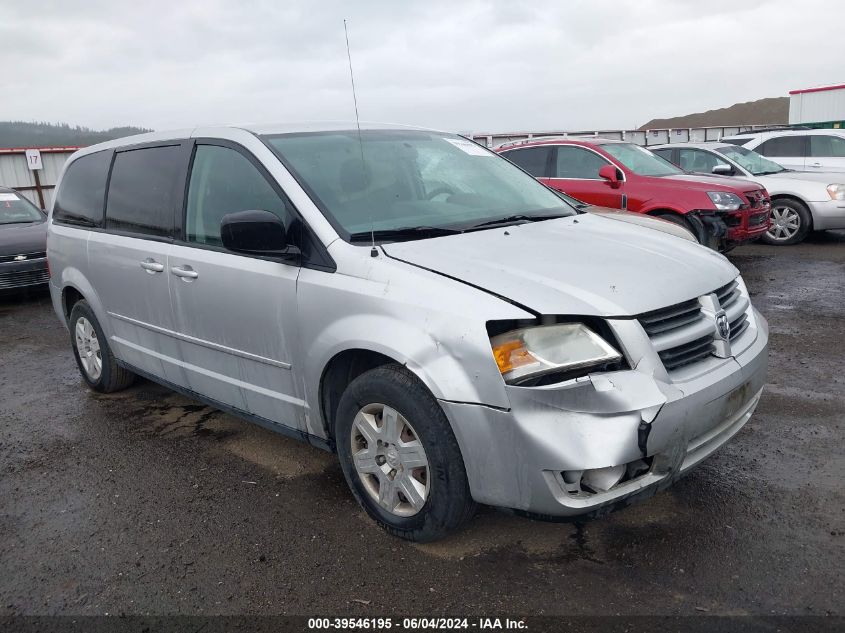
x: 513, y: 219
x: 403, y: 233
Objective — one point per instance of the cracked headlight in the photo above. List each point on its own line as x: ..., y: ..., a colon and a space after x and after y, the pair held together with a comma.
x: 836, y: 192
x: 725, y: 201
x: 544, y: 349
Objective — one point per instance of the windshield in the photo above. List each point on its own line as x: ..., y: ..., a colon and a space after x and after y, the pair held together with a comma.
x: 750, y: 161
x: 16, y: 210
x: 640, y: 161
x: 397, y: 179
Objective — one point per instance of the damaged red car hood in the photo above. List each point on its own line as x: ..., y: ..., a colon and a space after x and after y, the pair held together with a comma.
x: 578, y: 265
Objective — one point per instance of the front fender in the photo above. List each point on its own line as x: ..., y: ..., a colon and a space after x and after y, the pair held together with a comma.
x: 441, y: 357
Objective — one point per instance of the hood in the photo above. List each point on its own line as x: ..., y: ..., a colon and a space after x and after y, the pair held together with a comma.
x: 706, y: 182
x: 824, y: 177
x: 641, y: 219
x: 16, y: 239
x: 582, y: 265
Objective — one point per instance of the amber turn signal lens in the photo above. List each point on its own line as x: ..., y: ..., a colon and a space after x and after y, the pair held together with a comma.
x: 512, y: 354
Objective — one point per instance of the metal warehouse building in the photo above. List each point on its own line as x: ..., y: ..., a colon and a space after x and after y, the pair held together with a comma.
x: 33, y: 171
x: 818, y: 107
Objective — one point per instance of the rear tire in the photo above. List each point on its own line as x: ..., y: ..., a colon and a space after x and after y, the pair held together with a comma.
x: 400, y: 456
x: 791, y: 221
x: 93, y: 355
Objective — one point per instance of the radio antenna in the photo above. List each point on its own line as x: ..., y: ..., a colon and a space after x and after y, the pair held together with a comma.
x: 373, y: 250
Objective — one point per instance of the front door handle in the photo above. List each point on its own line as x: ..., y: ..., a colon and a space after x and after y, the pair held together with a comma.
x: 152, y: 266
x: 185, y: 272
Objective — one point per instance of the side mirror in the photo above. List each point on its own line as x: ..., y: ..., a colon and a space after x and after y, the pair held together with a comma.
x: 254, y: 232
x: 723, y: 170
x: 611, y: 175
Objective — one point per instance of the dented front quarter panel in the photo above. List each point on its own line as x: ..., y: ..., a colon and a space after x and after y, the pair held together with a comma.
x: 433, y: 325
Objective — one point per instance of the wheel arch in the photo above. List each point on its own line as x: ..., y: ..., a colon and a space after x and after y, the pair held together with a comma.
x: 339, y: 372
x: 75, y: 286
x: 795, y: 198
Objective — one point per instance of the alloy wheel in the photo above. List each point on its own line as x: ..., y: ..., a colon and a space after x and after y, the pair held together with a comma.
x: 88, y: 348
x: 786, y: 222
x: 390, y: 460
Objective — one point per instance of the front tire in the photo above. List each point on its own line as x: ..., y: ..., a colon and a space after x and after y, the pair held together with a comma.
x: 791, y: 221
x: 93, y: 355
x: 400, y: 456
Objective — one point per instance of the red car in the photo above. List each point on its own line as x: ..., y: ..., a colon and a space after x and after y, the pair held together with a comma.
x: 720, y: 212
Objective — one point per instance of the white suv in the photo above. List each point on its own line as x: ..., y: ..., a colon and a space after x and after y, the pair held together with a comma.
x: 816, y: 150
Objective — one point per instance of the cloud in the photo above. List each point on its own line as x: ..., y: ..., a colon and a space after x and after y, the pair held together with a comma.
x: 483, y: 66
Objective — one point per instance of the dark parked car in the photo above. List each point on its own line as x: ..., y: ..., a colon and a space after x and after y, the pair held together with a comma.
x: 23, y: 242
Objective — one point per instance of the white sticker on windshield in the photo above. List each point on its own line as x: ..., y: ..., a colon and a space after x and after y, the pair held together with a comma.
x: 9, y: 197
x: 468, y: 146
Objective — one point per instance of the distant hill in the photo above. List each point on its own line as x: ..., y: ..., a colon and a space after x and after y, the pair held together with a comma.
x: 24, y: 134
x: 774, y: 110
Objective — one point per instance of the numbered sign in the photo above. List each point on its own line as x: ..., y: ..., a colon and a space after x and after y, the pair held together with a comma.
x: 33, y: 159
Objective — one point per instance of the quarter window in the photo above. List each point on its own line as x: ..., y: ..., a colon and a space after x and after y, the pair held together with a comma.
x: 80, y: 196
x: 577, y: 162
x: 827, y: 146
x: 783, y: 146
x: 225, y: 181
x: 534, y: 160
x: 144, y: 190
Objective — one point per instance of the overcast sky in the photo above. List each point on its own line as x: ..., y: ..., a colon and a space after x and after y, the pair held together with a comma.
x: 466, y: 66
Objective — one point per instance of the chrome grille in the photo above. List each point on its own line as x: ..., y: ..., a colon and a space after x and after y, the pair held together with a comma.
x: 671, y: 318
x: 22, y: 278
x: 738, y: 326
x: 25, y: 256
x: 727, y: 295
x: 682, y: 334
x: 691, y: 352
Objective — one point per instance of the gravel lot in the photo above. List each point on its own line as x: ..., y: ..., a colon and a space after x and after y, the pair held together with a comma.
x: 146, y: 502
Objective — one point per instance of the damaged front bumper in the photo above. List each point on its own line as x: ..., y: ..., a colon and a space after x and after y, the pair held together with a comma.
x: 721, y: 230
x: 589, y: 445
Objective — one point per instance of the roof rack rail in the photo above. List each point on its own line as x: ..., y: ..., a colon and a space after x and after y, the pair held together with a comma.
x: 531, y: 139
x: 772, y: 128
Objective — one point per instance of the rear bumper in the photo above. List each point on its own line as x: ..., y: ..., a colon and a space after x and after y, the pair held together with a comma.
x: 24, y: 274
x: 520, y: 458
x: 829, y: 214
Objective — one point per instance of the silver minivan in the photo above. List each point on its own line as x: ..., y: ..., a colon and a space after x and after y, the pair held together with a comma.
x: 454, y: 330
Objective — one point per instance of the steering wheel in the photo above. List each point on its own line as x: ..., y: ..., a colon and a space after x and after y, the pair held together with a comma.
x: 439, y: 191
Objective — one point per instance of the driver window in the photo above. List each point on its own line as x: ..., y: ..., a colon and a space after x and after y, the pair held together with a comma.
x: 696, y: 160
x: 224, y: 181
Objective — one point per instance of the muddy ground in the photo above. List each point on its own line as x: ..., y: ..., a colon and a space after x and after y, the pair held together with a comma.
x: 146, y: 502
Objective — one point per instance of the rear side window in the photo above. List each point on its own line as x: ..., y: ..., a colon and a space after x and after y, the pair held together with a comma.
x: 783, y: 146
x: 144, y: 190
x: 665, y: 154
x: 827, y: 146
x: 534, y: 160
x: 225, y: 181
x: 79, y: 199
x: 577, y: 162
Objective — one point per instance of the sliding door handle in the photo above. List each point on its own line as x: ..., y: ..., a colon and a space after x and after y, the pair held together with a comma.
x: 185, y: 272
x: 152, y: 266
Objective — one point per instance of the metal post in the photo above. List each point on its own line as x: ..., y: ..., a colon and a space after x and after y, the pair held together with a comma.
x: 39, y: 189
